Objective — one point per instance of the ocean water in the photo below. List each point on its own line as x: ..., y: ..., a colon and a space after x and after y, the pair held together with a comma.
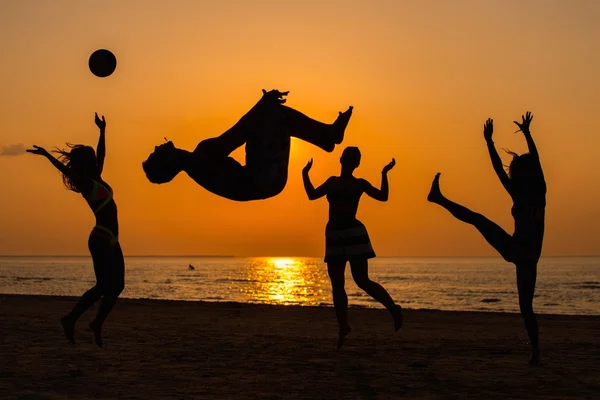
x: 566, y: 285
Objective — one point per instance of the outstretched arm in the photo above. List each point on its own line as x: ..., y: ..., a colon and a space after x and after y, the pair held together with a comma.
x: 524, y: 127
x: 383, y: 193
x: 57, y: 164
x: 312, y: 193
x: 101, y: 149
x: 488, y: 130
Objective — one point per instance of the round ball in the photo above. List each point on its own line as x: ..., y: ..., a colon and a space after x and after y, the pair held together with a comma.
x: 102, y: 63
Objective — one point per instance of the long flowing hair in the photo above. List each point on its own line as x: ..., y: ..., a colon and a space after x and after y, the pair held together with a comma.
x: 81, y: 159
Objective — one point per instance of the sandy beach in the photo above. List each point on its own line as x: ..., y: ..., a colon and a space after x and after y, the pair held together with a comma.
x: 194, y: 350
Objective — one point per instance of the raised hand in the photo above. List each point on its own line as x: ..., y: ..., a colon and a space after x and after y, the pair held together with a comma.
x: 275, y: 95
x: 307, y: 167
x: 388, y: 167
x: 524, y: 125
x: 488, y: 129
x: 100, y: 123
x: 38, y: 150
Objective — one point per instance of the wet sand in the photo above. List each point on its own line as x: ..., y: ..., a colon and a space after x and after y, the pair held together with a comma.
x: 195, y: 350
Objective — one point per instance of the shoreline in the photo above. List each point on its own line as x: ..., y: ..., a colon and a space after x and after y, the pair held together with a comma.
x: 321, y: 306
x: 243, y: 256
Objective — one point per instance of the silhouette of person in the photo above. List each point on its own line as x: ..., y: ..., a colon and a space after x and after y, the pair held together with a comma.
x: 81, y: 170
x: 346, y: 238
x: 526, y: 185
x: 266, y: 131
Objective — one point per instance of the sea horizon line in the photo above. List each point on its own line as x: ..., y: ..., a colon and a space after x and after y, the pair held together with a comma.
x: 270, y: 256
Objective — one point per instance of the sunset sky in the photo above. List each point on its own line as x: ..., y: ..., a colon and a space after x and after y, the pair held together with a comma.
x: 423, y: 77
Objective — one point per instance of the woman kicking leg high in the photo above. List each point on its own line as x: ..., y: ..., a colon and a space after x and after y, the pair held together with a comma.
x: 526, y: 185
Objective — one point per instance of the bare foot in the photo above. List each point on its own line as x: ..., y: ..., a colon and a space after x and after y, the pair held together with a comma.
x: 68, y: 328
x: 398, y: 319
x: 342, y: 337
x: 275, y: 95
x: 340, y: 125
x: 97, y: 329
x: 435, y: 194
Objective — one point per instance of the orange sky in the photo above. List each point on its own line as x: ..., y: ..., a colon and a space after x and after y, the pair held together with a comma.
x: 422, y: 75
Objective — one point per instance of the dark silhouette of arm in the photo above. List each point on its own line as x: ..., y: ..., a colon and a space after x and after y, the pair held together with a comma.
x: 534, y: 152
x: 533, y: 149
x: 311, y: 192
x: 40, y: 151
x: 101, y: 148
x: 101, y: 152
x: 383, y: 193
x: 498, y: 166
x: 488, y: 130
x: 531, y: 145
x: 377, y: 194
x: 59, y: 166
x: 524, y: 127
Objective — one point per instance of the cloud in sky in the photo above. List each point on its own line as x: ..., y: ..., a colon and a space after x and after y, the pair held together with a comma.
x: 12, y: 150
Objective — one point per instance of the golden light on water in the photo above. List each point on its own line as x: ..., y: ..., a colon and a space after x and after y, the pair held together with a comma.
x: 287, y: 281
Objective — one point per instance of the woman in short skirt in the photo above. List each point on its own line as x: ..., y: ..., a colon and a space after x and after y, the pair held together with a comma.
x: 347, y: 239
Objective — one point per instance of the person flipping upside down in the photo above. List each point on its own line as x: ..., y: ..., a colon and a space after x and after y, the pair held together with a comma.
x: 266, y: 131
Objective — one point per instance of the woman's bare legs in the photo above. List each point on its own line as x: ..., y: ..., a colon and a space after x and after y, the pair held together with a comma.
x: 360, y: 273
x: 526, y: 279
x: 336, y: 271
x: 109, y: 268
x: 491, y: 232
x: 504, y: 244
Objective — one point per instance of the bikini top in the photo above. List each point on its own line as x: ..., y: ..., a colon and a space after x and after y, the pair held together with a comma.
x: 100, y: 193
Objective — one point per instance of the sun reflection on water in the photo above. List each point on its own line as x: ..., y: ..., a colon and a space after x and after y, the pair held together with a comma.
x: 286, y: 281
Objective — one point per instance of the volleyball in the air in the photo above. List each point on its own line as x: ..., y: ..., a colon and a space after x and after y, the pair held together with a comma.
x: 102, y: 63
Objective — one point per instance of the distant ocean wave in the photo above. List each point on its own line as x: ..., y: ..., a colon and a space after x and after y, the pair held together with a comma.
x: 587, y: 285
x: 490, y: 300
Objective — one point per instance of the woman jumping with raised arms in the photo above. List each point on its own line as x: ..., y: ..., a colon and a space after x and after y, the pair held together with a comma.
x: 81, y: 170
x: 526, y: 185
x: 346, y: 238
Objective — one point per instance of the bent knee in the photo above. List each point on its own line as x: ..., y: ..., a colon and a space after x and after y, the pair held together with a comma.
x: 364, y: 284
x: 97, y: 289
x: 118, y: 289
x: 113, y: 290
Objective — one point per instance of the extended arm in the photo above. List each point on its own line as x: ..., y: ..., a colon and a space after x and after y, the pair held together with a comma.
x: 531, y: 145
x: 498, y: 166
x: 383, y: 193
x: 101, y: 149
x: 57, y: 164
x: 311, y: 192
x: 378, y: 194
x: 524, y: 127
x: 488, y: 129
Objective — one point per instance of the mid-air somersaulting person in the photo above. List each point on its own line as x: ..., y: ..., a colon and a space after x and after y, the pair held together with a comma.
x: 81, y: 168
x: 266, y: 131
x: 347, y: 239
x: 526, y: 185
